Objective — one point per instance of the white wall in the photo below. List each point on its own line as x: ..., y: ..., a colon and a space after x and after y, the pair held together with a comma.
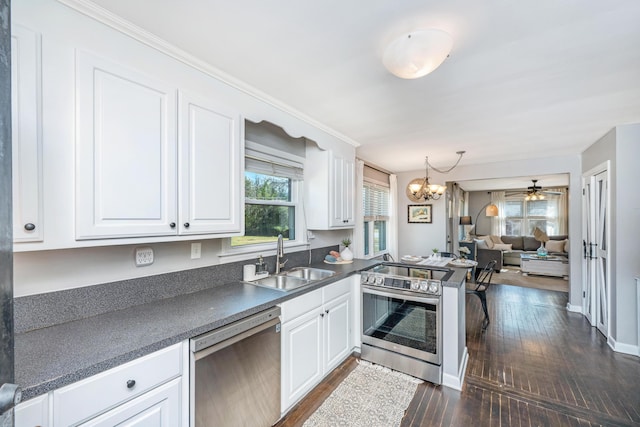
x: 417, y: 239
x: 621, y: 147
x: 627, y: 216
x: 55, y: 270
x: 420, y: 239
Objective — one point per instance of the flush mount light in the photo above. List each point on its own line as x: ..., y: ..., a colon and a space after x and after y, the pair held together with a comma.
x: 418, y: 53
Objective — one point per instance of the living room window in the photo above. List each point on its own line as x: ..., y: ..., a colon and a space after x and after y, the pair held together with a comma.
x: 375, y: 206
x: 523, y: 216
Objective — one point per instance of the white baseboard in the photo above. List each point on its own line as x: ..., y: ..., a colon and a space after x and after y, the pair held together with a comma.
x: 457, y: 382
x: 633, y: 350
x: 574, y: 308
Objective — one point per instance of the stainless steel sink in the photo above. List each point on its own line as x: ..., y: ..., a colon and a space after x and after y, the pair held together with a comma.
x: 282, y: 282
x: 294, y: 278
x: 310, y: 273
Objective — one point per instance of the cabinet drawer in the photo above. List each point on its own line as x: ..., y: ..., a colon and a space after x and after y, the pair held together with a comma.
x: 300, y: 305
x: 89, y: 397
x: 336, y: 289
x: 32, y: 413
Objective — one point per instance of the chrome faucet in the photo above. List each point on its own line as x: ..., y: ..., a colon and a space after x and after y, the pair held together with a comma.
x: 279, y: 254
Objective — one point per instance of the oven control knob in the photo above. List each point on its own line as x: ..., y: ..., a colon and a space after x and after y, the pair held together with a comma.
x: 433, y: 287
x: 379, y: 280
x: 363, y: 278
x: 371, y: 279
x: 423, y: 285
x: 415, y: 285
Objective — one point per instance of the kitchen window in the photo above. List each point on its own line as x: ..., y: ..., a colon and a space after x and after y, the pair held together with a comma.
x: 375, y: 200
x: 272, y: 192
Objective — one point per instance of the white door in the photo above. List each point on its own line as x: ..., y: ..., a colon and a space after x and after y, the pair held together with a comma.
x: 342, y: 185
x: 600, y: 251
x: 210, y: 167
x: 337, y: 315
x: 126, y: 152
x: 301, y: 356
x: 595, y: 248
x: 26, y: 128
x: 588, y: 266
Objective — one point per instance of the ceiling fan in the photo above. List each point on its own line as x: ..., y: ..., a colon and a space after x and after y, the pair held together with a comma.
x: 536, y: 192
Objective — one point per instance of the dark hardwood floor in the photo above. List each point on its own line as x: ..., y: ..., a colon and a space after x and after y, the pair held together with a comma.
x: 535, y: 365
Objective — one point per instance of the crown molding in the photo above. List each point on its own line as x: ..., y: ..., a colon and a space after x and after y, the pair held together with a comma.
x: 120, y: 24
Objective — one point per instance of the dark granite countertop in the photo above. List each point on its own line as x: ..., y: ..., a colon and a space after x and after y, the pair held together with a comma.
x: 55, y: 356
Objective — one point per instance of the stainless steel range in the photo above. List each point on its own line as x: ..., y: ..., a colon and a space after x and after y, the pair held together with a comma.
x: 402, y: 318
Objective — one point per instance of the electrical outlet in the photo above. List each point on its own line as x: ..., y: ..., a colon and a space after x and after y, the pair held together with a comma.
x: 196, y: 250
x: 144, y: 256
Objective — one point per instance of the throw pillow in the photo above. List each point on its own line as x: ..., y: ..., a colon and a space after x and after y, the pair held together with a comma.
x: 503, y: 246
x: 516, y: 241
x: 481, y: 244
x: 496, y: 240
x: 555, y: 246
x: 566, y: 246
x: 488, y: 240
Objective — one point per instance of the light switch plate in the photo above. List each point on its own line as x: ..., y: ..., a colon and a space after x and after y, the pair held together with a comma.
x: 144, y: 256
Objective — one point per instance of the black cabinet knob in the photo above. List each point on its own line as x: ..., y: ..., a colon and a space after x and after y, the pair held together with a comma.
x: 186, y: 225
x: 321, y: 314
x: 29, y: 226
x: 326, y: 311
x: 131, y: 383
x: 172, y: 225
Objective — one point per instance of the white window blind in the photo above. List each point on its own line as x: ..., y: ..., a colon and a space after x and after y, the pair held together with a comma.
x: 375, y: 202
x: 266, y: 166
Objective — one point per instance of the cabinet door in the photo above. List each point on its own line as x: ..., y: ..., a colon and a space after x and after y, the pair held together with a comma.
x: 158, y: 408
x: 26, y: 126
x: 125, y: 151
x: 337, y: 331
x: 342, y: 177
x: 211, y: 168
x: 33, y: 413
x: 301, y: 356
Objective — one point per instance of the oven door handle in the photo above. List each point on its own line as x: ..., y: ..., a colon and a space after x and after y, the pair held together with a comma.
x: 409, y: 296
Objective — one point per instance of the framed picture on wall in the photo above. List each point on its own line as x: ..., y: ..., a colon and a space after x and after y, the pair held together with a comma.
x: 419, y: 214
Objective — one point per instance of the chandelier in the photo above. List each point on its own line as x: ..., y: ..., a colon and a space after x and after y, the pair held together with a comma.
x: 421, y: 190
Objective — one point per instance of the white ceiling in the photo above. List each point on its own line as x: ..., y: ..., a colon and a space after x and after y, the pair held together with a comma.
x: 523, y: 80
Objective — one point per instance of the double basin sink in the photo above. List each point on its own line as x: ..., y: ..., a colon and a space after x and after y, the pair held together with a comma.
x: 294, y: 278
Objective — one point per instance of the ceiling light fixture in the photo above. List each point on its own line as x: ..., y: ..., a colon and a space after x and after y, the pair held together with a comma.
x: 418, y: 53
x: 421, y: 190
x: 534, y: 192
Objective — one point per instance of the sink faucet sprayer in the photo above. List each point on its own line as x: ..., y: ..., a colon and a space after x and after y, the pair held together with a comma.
x: 279, y: 254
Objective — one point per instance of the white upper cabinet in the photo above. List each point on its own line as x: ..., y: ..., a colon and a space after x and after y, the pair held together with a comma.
x: 125, y: 152
x: 150, y: 164
x: 210, y: 167
x: 26, y: 91
x: 342, y: 181
x: 329, y: 190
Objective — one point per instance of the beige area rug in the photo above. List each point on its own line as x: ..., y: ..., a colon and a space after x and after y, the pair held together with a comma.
x: 371, y: 396
x: 511, y: 275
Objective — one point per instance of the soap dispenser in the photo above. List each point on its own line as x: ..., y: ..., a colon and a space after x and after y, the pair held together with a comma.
x: 260, y: 265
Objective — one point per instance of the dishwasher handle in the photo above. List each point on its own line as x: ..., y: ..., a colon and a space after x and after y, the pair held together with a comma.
x: 236, y: 338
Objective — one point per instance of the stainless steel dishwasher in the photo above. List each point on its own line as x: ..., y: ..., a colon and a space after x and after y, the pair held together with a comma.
x: 235, y: 373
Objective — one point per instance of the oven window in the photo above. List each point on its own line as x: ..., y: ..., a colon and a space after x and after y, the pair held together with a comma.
x: 398, y: 321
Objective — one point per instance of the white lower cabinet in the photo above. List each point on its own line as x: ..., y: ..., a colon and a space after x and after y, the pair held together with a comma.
x: 33, y: 413
x: 315, y: 338
x: 157, y: 408
x: 144, y: 392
